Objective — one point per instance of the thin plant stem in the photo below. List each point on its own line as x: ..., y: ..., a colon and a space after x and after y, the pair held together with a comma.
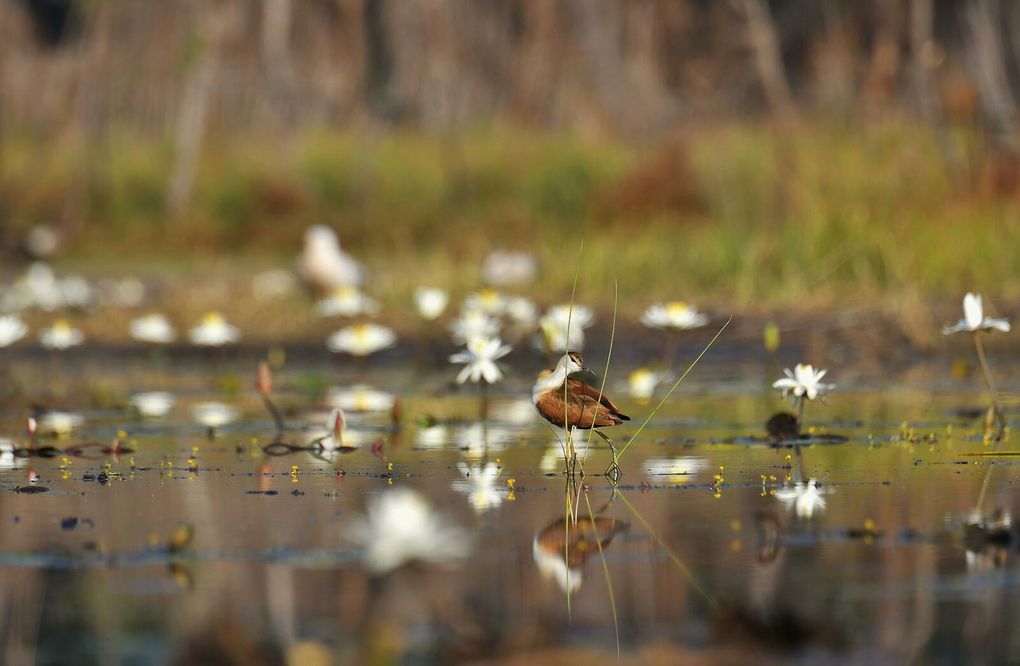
x: 570, y: 315
x: 669, y: 351
x: 675, y: 385
x: 275, y: 413
x: 999, y: 416
x: 672, y: 556
x: 483, y: 401
x: 605, y: 372
x: 800, y: 414
x: 605, y: 572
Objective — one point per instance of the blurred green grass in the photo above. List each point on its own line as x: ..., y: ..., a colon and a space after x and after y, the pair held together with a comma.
x: 819, y: 216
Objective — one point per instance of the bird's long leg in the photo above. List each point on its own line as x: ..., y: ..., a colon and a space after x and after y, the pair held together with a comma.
x: 613, y: 472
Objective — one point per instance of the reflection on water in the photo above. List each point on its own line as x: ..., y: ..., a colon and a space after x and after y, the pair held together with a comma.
x: 428, y: 536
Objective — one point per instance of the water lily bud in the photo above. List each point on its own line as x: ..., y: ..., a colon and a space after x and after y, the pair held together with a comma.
x: 264, y: 383
x: 771, y: 337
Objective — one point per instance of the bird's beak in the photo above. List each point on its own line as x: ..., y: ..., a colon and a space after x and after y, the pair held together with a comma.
x: 585, y: 375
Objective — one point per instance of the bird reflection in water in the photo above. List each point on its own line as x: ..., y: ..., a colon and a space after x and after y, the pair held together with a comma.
x: 562, y: 547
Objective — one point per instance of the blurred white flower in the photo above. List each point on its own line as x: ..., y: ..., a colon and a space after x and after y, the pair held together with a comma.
x: 214, y: 414
x: 7, y: 459
x: 478, y: 440
x: 153, y: 328
x: 481, y: 356
x: 214, y: 331
x: 804, y: 498
x: 481, y: 485
x: 12, y: 329
x: 432, y: 437
x: 323, y: 264
x: 430, y: 302
x: 153, y: 403
x: 675, y: 470
x: 803, y: 381
x: 60, y: 423
x: 274, y: 283
x: 361, y: 339
x: 504, y: 268
x: 126, y: 293
x: 520, y: 410
x: 39, y: 288
x: 474, y: 324
x: 360, y: 398
x: 974, y: 318
x: 60, y: 336
x: 676, y: 315
x: 489, y: 301
x: 642, y: 382
x: 401, y: 527
x: 76, y: 292
x: 522, y: 312
x: 555, y: 322
x: 346, y: 301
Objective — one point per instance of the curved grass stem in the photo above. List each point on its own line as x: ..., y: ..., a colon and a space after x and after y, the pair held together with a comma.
x: 673, y: 388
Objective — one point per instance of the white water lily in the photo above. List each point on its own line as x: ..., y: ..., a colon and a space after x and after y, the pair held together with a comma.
x: 323, y: 264
x: 154, y: 328
x: 432, y: 437
x: 361, y: 339
x: 7, y: 459
x: 214, y: 414
x: 974, y: 318
x: 346, y: 301
x: 61, y: 336
x: 153, y: 403
x: 481, y: 356
x: 430, y: 302
x: 503, y: 268
x: 360, y: 398
x: 400, y: 527
x: 60, y: 423
x: 803, y: 381
x: 12, y: 329
x: 474, y: 324
x: 521, y: 311
x: 555, y: 323
x: 642, y: 382
x: 481, y: 485
x: 489, y: 301
x: 804, y: 498
x: 675, y: 470
x: 675, y: 315
x: 214, y: 331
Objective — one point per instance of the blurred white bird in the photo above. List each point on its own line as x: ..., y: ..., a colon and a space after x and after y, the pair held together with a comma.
x: 323, y: 265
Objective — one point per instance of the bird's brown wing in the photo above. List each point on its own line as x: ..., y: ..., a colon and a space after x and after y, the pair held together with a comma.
x: 591, y: 392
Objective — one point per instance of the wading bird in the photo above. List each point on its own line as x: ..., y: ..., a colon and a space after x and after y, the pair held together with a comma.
x: 564, y: 399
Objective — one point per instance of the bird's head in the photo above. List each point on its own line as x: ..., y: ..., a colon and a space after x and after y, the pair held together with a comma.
x: 574, y: 368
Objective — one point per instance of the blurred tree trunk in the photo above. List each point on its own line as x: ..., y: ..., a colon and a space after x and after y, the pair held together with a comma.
x: 923, y: 54
x: 194, y: 110
x: 884, y: 65
x: 276, y: 26
x: 986, y: 60
x: 768, y: 57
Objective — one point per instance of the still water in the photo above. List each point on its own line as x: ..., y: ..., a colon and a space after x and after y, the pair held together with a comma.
x: 185, y: 545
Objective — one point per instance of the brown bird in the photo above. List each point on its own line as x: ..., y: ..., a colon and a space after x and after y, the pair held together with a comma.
x: 564, y: 399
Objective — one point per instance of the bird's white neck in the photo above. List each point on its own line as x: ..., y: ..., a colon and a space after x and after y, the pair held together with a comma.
x: 548, y: 383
